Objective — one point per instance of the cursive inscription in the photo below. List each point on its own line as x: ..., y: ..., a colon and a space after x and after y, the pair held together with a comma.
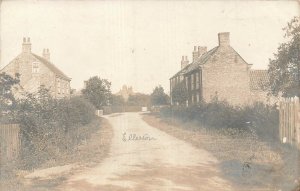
x: 136, y: 137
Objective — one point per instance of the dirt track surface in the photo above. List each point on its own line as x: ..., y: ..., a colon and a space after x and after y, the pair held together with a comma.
x: 157, y: 162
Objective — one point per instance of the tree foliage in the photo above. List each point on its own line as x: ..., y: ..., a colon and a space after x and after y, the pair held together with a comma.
x: 158, y: 96
x: 138, y: 100
x: 97, y: 91
x: 284, y: 68
x: 179, y: 93
x: 7, y: 83
x: 117, y: 100
x: 50, y: 127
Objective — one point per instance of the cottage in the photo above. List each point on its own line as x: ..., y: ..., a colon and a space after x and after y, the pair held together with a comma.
x: 36, y: 71
x: 220, y: 73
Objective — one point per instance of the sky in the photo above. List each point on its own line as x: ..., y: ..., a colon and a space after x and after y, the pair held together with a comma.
x: 139, y: 43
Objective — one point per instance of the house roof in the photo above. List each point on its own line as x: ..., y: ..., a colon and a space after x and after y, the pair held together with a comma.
x: 52, y: 67
x: 258, y: 78
x: 195, y: 64
x: 202, y: 59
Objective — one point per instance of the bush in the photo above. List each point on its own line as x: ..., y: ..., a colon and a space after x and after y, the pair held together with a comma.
x: 49, y: 127
x: 260, y: 117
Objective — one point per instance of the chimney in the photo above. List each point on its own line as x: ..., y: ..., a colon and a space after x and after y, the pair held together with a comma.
x: 224, y: 39
x: 195, y: 53
x: 26, y: 46
x: 184, y: 62
x: 202, y: 50
x: 46, y: 54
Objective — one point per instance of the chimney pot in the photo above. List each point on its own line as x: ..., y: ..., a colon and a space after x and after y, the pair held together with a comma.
x: 184, y: 62
x: 224, y: 39
x: 26, y: 46
x: 195, y: 53
x: 202, y: 50
x: 46, y: 54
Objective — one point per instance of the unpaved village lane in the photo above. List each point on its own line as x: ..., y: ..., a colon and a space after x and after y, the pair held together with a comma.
x: 165, y: 163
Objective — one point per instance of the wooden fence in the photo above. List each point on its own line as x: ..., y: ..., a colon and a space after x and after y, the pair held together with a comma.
x: 9, y: 142
x: 289, y: 116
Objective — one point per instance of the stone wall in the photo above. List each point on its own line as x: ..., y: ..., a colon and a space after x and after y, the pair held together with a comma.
x: 226, y: 76
x: 30, y: 81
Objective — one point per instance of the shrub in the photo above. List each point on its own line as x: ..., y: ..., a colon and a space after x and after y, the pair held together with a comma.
x: 49, y: 127
x: 260, y: 117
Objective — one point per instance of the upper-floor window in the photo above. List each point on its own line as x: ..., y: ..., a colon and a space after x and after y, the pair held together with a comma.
x: 197, y: 80
x: 67, y: 88
x: 192, y: 81
x: 181, y: 78
x: 186, y: 83
x: 58, y: 86
x: 63, y: 89
x: 35, y: 67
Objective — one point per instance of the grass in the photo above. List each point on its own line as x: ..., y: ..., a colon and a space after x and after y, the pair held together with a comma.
x: 89, y: 152
x: 245, y: 159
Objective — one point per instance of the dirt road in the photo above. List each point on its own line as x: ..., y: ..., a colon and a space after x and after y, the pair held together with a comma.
x: 144, y: 158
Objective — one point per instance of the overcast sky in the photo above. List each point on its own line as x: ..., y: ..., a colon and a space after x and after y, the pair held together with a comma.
x: 139, y: 43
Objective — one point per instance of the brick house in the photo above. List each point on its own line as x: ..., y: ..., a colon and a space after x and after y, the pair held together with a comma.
x: 219, y: 73
x: 37, y: 70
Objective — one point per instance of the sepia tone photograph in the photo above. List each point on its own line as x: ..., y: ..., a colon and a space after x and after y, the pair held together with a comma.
x: 127, y: 95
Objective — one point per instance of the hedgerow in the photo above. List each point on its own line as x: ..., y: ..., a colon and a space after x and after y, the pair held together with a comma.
x: 219, y: 114
x: 50, y: 127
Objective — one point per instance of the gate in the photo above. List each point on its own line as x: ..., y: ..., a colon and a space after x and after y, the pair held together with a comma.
x: 9, y: 142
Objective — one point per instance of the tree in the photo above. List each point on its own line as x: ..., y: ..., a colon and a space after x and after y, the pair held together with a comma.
x: 158, y: 96
x: 97, y: 91
x: 284, y: 68
x: 117, y: 100
x: 179, y: 93
x: 7, y: 99
x: 138, y: 100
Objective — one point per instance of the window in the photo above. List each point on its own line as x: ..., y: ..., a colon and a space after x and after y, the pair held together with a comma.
x: 197, y: 80
x: 187, y: 83
x: 181, y: 78
x: 192, y: 81
x: 198, y: 97
x: 35, y: 67
x: 58, y: 86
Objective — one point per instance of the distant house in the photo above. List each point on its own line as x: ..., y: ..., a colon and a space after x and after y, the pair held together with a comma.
x: 220, y: 73
x: 36, y: 71
x: 125, y: 92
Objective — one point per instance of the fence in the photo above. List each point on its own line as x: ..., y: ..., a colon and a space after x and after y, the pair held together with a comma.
x: 289, y: 113
x: 9, y: 142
